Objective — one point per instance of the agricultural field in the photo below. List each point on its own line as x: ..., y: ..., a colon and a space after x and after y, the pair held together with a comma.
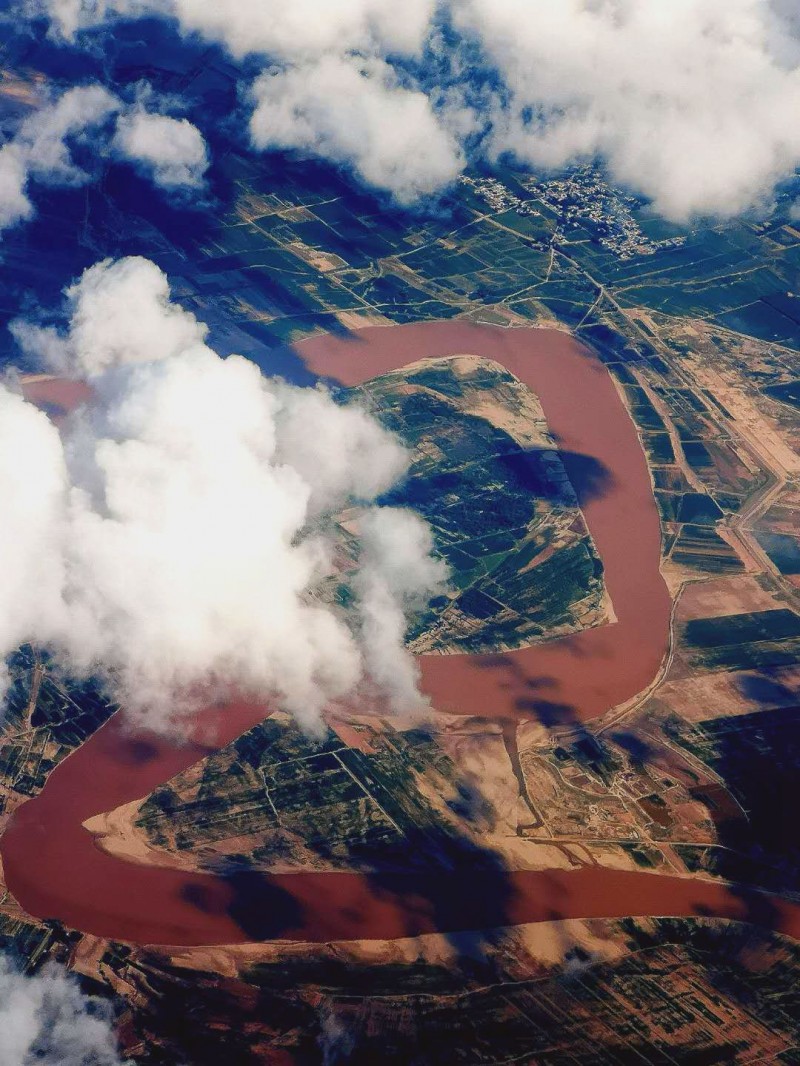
x: 487, y: 475
x: 693, y: 778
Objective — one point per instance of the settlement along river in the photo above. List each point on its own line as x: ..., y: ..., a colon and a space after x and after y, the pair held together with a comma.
x: 55, y: 870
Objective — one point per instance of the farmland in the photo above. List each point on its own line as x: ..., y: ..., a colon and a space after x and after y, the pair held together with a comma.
x: 693, y: 777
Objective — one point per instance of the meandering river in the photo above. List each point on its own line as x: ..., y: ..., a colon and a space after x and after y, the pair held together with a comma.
x: 54, y: 868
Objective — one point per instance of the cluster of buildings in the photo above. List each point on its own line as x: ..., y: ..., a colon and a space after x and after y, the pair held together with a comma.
x: 579, y: 198
x: 497, y: 196
x: 582, y: 196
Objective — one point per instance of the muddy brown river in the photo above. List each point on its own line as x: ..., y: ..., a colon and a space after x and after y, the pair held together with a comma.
x: 54, y: 868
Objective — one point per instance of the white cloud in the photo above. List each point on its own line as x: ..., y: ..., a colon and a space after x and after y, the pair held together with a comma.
x: 333, y: 94
x: 346, y: 453
x: 32, y: 472
x: 306, y: 27
x: 694, y: 103
x: 14, y: 203
x: 45, y: 1020
x: 398, y: 575
x: 688, y: 102
x: 353, y: 111
x: 170, y: 150
x: 173, y: 539
x: 68, y: 17
x: 40, y: 149
x: 43, y: 137
x: 273, y: 27
x: 118, y: 313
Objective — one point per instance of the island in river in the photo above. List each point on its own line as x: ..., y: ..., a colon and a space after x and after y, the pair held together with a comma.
x: 55, y: 870
x: 409, y: 884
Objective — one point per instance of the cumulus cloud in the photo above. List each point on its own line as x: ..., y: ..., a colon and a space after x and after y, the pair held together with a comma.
x: 306, y: 27
x: 693, y: 103
x: 171, y: 151
x: 397, y: 576
x: 40, y: 150
x: 353, y: 111
x: 247, y: 27
x: 45, y: 1020
x: 346, y: 454
x: 14, y: 203
x: 173, y: 539
x: 689, y: 102
x: 33, y: 473
x: 68, y: 16
x: 118, y: 314
x: 45, y: 135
